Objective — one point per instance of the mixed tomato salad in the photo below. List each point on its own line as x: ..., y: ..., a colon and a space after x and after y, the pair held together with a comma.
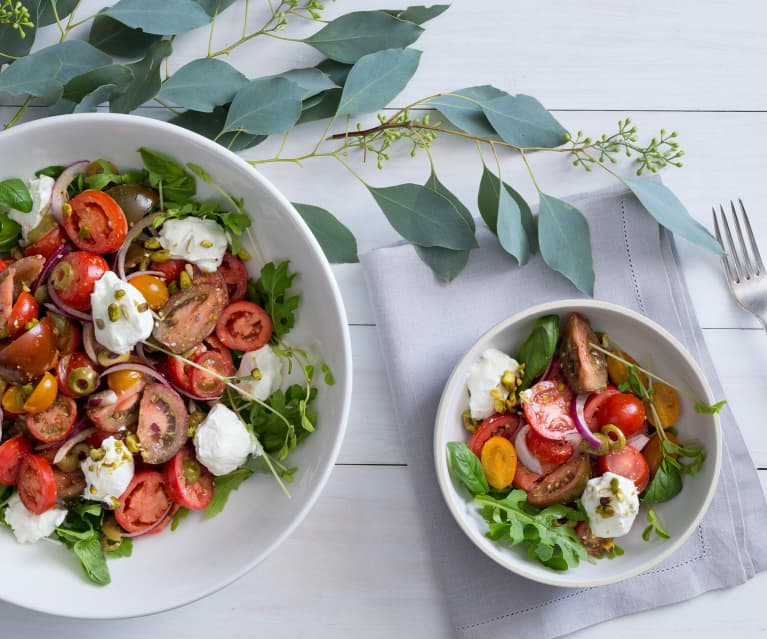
x: 567, y: 440
x: 143, y: 375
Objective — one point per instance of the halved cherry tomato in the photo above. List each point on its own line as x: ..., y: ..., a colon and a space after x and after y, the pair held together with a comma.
x: 163, y: 423
x: 54, y: 423
x: 171, y: 269
x: 551, y: 451
x: 30, y: 355
x: 504, y: 425
x: 75, y: 275
x: 524, y: 478
x: 594, y: 402
x: 179, y: 372
x: 499, y: 461
x: 36, y: 484
x: 143, y: 503
x: 652, y: 452
x: 624, y: 410
x: 43, y: 395
x: 24, y: 311
x: 209, y: 386
x: 215, y: 345
x: 123, y: 380
x: 12, y: 452
x: 70, y: 484
x: 4, y: 264
x: 96, y: 222
x: 666, y: 403
x: 48, y: 244
x: 154, y: 290
x: 69, y: 336
x: 235, y: 275
x: 13, y: 401
x: 117, y: 416
x: 76, y: 374
x: 244, y: 326
x: 548, y: 410
x: 188, y: 482
x: 629, y: 463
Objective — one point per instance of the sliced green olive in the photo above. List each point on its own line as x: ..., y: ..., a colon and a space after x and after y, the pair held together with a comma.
x: 107, y: 358
x: 82, y: 380
x: 604, y: 447
x: 71, y: 461
x: 615, y: 436
x: 191, y: 471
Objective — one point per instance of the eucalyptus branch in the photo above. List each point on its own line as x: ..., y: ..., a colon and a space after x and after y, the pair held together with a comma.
x: 16, y: 16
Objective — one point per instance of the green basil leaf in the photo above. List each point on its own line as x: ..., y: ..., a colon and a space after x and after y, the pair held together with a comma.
x: 203, y: 85
x: 466, y: 467
x: 337, y: 241
x: 538, y: 348
x: 92, y: 559
x: 115, y: 38
x: 168, y: 17
x: 666, y: 484
x: 10, y: 233
x: 265, y: 106
x: 14, y: 194
x: 225, y: 484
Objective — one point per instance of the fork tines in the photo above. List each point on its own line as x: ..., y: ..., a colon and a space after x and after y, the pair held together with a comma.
x: 738, y: 262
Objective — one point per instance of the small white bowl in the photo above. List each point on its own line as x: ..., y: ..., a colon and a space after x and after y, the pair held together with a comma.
x: 647, y: 342
x: 174, y: 568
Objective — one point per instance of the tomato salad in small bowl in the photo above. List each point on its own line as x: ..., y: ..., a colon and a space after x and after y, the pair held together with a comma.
x: 568, y: 441
x: 143, y: 375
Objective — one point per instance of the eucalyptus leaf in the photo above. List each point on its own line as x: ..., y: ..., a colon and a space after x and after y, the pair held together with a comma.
x: 511, y: 232
x: 564, y: 241
x: 353, y: 35
x: 488, y: 200
x: 146, y: 82
x: 81, y: 85
x: 12, y: 45
x: 98, y: 96
x: 419, y: 13
x: 445, y: 263
x: 62, y: 106
x: 33, y: 75
x: 311, y: 80
x: 434, y: 184
x: 669, y: 211
x: 523, y: 121
x: 424, y: 217
x: 77, y: 57
x: 320, y: 106
x: 376, y: 79
x: 265, y: 106
x: 115, y: 38
x: 215, y: 7
x: 46, y: 15
x: 337, y: 241
x: 168, y: 17
x: 203, y: 85
x: 464, y: 109
x: 211, y: 124
x: 336, y: 71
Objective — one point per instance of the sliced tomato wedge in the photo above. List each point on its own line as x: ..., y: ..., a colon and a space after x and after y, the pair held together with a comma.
x: 244, y: 326
x: 75, y: 275
x: 188, y: 482
x: 524, y: 478
x: 12, y: 452
x: 48, y: 244
x: 550, y: 451
x: 179, y: 371
x: 594, y: 403
x: 36, y: 484
x: 548, y: 410
x: 24, y: 311
x: 208, y: 386
x: 96, y: 222
x: 628, y: 463
x: 170, y: 269
x: 504, y: 425
x: 144, y: 503
x: 55, y: 422
x: 235, y: 275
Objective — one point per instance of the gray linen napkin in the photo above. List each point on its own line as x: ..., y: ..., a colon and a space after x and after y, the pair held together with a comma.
x: 426, y: 326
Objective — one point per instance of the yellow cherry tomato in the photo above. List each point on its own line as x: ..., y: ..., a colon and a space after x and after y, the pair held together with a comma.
x: 120, y: 381
x: 153, y: 289
x: 43, y: 395
x: 499, y: 461
x: 13, y: 400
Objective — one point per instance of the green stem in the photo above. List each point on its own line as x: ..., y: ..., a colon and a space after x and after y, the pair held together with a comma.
x: 530, y: 170
x: 167, y: 106
x: 268, y: 461
x: 19, y: 113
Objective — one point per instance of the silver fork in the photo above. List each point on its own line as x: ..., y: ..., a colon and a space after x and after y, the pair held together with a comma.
x: 744, y: 268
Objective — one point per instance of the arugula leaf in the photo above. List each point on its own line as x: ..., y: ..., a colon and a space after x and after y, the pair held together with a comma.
x: 225, y: 484
x: 513, y: 520
x: 100, y: 181
x: 687, y: 450
x: 270, y: 292
x: 14, y: 194
x: 654, y: 526
x: 538, y: 349
x: 666, y: 484
x: 168, y: 176
x: 714, y: 409
x: 467, y: 468
x: 181, y: 514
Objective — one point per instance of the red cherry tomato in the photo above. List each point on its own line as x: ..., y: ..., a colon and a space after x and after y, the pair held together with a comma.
x: 96, y: 222
x: 4, y: 264
x: 48, y: 244
x: 76, y: 375
x: 12, y: 452
x: 74, y: 276
x: 628, y: 463
x: 144, y: 503
x: 235, y: 275
x: 594, y: 402
x: 30, y: 355
x: 550, y: 451
x: 548, y: 410
x: 70, y: 338
x: 179, y: 372
x: 524, y: 478
x: 36, y: 484
x: 171, y: 269
x: 209, y: 386
x: 24, y: 311
x: 244, y: 326
x: 188, y: 482
x: 625, y: 411
x: 504, y: 425
x: 55, y: 422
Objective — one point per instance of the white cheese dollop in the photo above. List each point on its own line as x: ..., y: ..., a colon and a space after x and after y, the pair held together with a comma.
x: 108, y: 477
x: 201, y: 242
x: 134, y: 321
x: 615, y: 516
x: 41, y: 190
x: 270, y: 367
x: 222, y: 442
x: 484, y: 377
x: 28, y: 527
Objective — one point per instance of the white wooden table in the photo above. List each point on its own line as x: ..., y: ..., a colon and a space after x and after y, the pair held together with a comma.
x: 359, y: 564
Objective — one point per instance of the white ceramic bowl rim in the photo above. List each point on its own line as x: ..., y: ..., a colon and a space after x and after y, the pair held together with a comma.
x: 228, y: 157
x: 456, y: 383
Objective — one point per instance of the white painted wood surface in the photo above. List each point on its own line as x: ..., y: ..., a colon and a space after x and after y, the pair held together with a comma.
x: 359, y: 565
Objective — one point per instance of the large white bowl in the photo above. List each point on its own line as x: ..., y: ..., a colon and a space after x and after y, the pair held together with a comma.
x: 175, y: 568
x: 647, y: 342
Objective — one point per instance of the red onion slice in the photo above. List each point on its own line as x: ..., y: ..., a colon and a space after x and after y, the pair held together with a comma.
x: 137, y: 273
x: 135, y: 366
x: 72, y: 442
x: 150, y: 528
x: 65, y: 309
x: 60, y: 187
x: 580, y: 421
x: 638, y: 441
x: 132, y: 235
x: 89, y: 342
x: 530, y: 461
x: 49, y: 265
